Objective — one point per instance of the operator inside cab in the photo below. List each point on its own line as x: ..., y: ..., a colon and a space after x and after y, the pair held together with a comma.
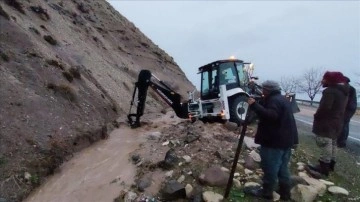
x: 226, y: 75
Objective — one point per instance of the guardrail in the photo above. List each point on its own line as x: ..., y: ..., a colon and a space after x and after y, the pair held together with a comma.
x: 314, y: 103
x: 307, y: 102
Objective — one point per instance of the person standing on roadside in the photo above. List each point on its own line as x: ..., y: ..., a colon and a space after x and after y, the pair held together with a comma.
x: 328, y: 120
x: 277, y: 134
x: 349, y: 112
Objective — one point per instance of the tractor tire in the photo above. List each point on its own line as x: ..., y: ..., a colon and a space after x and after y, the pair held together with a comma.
x: 238, y: 108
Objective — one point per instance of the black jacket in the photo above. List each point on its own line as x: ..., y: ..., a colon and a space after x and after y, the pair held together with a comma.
x: 351, y: 105
x: 276, y: 127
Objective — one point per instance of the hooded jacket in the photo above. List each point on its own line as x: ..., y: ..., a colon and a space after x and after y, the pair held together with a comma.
x: 351, y: 105
x: 276, y: 127
x: 328, y: 119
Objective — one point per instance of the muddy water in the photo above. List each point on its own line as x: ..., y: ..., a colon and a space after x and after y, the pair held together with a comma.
x: 97, y: 173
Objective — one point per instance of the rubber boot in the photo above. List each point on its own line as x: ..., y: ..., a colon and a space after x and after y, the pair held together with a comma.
x: 284, y: 191
x: 332, y: 165
x: 322, y: 168
x: 261, y: 192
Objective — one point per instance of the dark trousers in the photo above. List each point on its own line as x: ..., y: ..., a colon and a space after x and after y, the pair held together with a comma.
x: 341, y: 140
x: 274, y: 163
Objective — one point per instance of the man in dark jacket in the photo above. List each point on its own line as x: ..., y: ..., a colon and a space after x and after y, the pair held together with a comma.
x: 328, y: 120
x: 349, y: 112
x: 277, y: 134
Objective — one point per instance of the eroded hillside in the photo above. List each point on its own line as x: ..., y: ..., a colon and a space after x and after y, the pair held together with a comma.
x: 67, y: 70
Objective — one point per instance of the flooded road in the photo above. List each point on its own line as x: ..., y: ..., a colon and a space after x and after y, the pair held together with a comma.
x: 97, y: 173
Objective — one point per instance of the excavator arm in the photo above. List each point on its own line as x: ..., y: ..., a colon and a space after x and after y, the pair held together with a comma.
x: 146, y: 80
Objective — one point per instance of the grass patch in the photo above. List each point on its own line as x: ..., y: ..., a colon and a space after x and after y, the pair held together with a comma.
x: 68, y: 76
x: 4, y: 14
x: 3, y: 161
x: 15, y: 4
x: 55, y: 63
x: 64, y: 90
x: 50, y: 40
x: 75, y: 72
x: 346, y: 174
x: 4, y: 56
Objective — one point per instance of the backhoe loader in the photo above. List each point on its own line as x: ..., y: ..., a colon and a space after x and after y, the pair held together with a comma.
x: 225, y: 87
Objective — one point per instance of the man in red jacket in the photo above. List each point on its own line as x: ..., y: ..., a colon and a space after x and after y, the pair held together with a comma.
x: 328, y: 120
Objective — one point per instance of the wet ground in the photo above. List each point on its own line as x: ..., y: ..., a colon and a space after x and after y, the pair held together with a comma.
x: 96, y: 173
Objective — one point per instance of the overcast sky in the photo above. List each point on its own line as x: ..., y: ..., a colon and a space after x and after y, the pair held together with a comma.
x: 282, y: 38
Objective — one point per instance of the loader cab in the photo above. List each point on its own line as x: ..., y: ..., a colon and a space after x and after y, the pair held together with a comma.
x: 231, y: 73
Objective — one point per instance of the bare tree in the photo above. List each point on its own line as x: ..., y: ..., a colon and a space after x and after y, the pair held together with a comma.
x: 289, y: 84
x: 311, y: 82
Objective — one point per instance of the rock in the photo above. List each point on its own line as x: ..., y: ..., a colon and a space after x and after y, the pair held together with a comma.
x: 210, y: 196
x: 300, y: 168
x: 225, y: 169
x: 254, y: 155
x: 231, y: 126
x: 169, y: 173
x: 187, y: 158
x: 188, y: 189
x: 300, y: 164
x: 303, y: 174
x: 135, y: 158
x: 143, y: 183
x: 328, y: 183
x: 249, y: 142
x: 175, y: 142
x: 237, y: 183
x: 130, y: 196
x: 170, y: 160
x: 173, y: 190
x: 191, y: 138
x: 251, y: 184
x: 303, y: 193
x: 338, y: 190
x: 165, y: 143
x: 154, y: 136
x: 214, y: 176
x: 276, y: 196
x: 249, y: 163
x: 239, y: 167
x: 248, y: 172
x: 181, y: 179
x: 316, y: 185
x: 27, y: 176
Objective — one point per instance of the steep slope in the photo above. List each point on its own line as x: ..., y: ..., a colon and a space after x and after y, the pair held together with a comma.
x: 67, y: 70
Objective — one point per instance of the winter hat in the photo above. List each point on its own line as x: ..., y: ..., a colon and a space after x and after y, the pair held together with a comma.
x: 334, y: 77
x: 271, y: 85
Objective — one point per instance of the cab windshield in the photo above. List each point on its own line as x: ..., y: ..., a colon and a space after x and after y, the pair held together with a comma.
x: 232, y: 74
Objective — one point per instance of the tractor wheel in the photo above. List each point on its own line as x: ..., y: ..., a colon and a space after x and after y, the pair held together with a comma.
x: 238, y: 109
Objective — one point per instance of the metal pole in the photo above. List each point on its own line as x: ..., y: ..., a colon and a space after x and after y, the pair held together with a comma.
x: 236, y: 158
